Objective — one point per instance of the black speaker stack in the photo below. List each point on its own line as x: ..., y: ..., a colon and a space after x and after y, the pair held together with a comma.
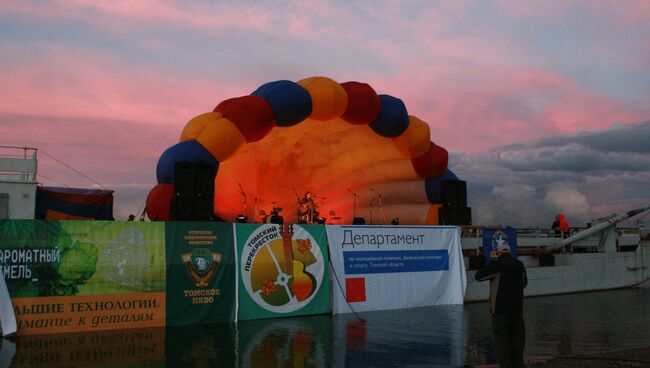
x: 454, y: 210
x: 193, y: 192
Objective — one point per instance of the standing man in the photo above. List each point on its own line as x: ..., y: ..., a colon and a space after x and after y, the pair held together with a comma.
x: 507, y: 277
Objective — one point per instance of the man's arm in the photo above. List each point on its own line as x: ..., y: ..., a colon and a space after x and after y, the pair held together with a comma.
x: 525, y: 280
x: 487, y: 272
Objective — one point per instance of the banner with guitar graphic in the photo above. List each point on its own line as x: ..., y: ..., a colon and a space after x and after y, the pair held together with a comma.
x: 200, y: 273
x: 392, y: 267
x: 282, y: 270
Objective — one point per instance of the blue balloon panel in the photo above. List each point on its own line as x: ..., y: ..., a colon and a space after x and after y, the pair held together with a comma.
x: 290, y: 102
x: 189, y: 151
x: 393, y: 119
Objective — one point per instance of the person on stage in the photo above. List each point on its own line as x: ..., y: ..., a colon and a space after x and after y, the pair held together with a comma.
x: 307, y: 209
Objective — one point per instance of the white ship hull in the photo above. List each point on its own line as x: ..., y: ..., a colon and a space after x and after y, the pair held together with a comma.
x: 614, y: 260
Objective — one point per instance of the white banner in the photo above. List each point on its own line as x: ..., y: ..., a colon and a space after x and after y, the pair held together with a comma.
x: 392, y: 267
x: 7, y: 316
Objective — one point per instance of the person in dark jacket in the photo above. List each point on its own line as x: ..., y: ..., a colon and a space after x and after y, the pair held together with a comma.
x: 508, y: 279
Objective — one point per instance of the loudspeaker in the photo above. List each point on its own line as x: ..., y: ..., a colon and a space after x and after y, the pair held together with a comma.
x: 275, y: 219
x: 204, y: 180
x: 453, y: 193
x: 184, y: 180
x: 454, y: 215
x: 359, y: 221
x: 192, y: 209
x: 194, y: 179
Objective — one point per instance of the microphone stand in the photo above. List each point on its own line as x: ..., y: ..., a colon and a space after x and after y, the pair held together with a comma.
x: 381, y: 212
x: 354, y: 204
x: 372, y: 207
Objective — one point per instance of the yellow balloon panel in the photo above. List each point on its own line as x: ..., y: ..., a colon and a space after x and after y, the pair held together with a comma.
x: 197, y: 124
x: 414, y: 142
x: 329, y: 100
x: 331, y: 159
x: 222, y: 138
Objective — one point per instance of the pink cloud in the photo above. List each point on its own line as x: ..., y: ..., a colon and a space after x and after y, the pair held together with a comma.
x: 492, y: 105
x: 462, y: 82
x: 121, y: 12
x: 76, y: 83
x: 531, y: 9
x: 474, y: 110
x: 628, y: 13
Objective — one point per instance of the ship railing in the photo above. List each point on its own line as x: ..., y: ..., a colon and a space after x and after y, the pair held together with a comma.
x: 477, y: 232
x: 537, y: 240
x: 18, y: 164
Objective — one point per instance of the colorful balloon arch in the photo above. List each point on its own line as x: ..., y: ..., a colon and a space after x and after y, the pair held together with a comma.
x: 359, y: 153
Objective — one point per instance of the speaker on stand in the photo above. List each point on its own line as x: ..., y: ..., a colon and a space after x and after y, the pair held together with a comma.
x: 193, y: 192
x: 454, y: 210
x: 453, y: 193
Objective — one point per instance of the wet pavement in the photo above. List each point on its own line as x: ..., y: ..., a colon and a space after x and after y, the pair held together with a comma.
x: 601, y: 329
x: 639, y: 357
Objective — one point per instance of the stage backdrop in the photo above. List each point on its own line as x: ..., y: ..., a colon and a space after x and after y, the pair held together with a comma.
x: 386, y: 267
x: 282, y: 270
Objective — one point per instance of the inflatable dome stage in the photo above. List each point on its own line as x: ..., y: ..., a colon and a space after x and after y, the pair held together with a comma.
x: 358, y: 153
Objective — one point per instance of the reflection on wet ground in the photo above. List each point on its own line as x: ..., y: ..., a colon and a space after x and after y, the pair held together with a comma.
x: 423, y: 337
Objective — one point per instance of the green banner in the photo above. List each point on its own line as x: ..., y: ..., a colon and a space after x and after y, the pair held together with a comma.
x: 83, y: 275
x: 200, y: 273
x: 283, y: 270
x: 62, y: 258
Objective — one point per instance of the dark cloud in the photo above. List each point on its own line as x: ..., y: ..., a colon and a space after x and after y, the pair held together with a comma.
x: 622, y: 149
x: 586, y: 176
x: 628, y: 138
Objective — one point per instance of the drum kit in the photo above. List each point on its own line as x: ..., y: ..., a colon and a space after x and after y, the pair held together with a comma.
x: 273, y: 217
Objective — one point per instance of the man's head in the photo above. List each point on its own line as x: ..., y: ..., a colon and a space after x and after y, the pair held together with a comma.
x: 308, y: 195
x: 503, y: 248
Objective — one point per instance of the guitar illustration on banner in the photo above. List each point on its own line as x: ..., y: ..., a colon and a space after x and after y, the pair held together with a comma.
x: 301, y: 283
x: 280, y: 270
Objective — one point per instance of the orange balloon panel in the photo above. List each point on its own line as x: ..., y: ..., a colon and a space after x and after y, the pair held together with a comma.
x: 329, y: 158
x: 414, y: 142
x: 328, y: 98
x: 221, y: 138
x: 433, y: 217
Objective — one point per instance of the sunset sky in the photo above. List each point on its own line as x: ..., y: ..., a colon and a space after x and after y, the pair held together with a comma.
x: 543, y: 105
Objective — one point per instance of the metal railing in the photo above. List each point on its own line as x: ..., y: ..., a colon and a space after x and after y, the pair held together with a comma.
x: 18, y: 164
